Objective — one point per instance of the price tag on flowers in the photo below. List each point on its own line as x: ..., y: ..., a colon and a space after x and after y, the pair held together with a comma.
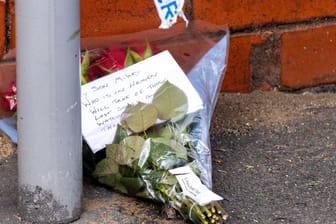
x: 105, y: 99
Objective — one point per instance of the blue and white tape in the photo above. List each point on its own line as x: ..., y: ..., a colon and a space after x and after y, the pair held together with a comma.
x: 168, y: 11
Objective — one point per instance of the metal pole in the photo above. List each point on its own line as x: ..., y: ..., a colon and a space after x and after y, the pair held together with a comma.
x: 49, y: 115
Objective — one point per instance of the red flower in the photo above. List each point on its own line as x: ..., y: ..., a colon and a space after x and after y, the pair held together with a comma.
x: 98, y: 63
x: 9, y: 98
x: 108, y: 61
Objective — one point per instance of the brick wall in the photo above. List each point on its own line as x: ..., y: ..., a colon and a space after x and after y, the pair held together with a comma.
x: 282, y: 44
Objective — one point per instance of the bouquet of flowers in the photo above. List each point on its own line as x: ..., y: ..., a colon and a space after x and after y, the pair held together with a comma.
x: 169, y: 161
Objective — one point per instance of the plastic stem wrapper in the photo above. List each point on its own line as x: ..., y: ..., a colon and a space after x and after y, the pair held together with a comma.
x: 168, y: 161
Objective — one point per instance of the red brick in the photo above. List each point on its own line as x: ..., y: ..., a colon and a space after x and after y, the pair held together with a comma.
x: 2, y: 28
x: 241, y: 14
x: 238, y: 77
x: 101, y: 18
x: 7, y: 75
x: 308, y: 56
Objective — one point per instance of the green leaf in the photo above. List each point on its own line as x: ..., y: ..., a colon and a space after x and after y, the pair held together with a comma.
x: 127, y: 151
x: 167, y: 154
x: 108, y: 70
x: 144, y: 194
x: 107, y: 172
x: 114, y: 182
x: 184, y: 124
x: 120, y: 134
x: 128, y: 59
x: 158, y: 177
x: 148, y: 51
x: 153, y: 176
x: 132, y: 184
x: 84, y: 67
x: 112, y: 151
x: 179, y: 150
x: 160, y: 130
x: 140, y: 117
x: 169, y: 179
x: 165, y: 132
x: 171, y: 102
x: 105, y: 167
x: 135, y: 56
x: 129, y: 170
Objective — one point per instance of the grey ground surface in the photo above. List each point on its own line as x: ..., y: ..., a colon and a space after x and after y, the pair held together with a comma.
x: 273, y: 162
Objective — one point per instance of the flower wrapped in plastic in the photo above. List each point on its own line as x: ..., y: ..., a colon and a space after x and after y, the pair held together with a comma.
x: 170, y: 161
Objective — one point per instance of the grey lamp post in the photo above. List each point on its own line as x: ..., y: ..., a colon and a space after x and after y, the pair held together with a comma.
x: 49, y: 113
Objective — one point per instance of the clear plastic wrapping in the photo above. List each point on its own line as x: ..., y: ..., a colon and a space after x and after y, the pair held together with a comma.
x: 144, y: 155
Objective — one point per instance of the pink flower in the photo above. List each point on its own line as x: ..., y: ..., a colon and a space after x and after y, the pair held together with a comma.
x: 9, y: 98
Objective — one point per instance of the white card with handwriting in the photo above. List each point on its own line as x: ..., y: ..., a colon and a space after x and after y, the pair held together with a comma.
x: 104, y: 99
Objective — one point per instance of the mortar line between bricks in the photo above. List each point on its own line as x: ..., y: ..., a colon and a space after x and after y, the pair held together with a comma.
x: 189, y: 9
x: 284, y: 25
x: 8, y: 27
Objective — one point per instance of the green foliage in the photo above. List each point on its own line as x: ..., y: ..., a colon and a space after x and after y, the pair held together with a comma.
x: 143, y: 152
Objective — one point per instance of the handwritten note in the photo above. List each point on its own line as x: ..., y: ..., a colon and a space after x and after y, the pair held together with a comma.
x: 104, y: 99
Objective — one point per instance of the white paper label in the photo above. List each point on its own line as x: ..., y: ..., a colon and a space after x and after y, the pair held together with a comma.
x: 168, y: 11
x: 192, y: 186
x: 104, y: 99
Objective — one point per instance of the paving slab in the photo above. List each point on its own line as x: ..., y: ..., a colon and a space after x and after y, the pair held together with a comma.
x: 274, y: 161
x: 274, y: 157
